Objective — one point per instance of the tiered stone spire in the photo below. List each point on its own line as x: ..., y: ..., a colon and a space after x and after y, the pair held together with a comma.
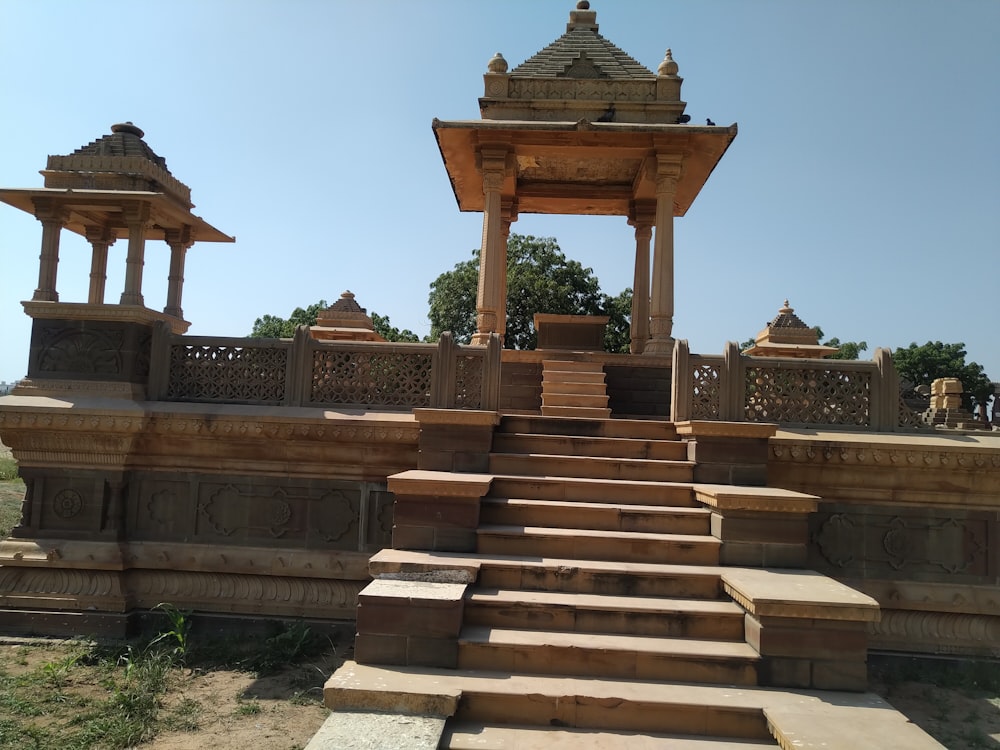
x: 787, y: 336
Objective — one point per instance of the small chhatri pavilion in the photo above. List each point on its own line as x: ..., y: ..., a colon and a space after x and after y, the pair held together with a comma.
x: 788, y: 336
x: 582, y: 128
x: 114, y: 187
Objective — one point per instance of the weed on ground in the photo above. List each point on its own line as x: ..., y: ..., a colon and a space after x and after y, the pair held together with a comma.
x: 165, y: 691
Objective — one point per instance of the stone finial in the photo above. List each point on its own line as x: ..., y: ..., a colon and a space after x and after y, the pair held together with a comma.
x: 497, y: 64
x: 127, y: 127
x: 582, y: 17
x: 668, y: 68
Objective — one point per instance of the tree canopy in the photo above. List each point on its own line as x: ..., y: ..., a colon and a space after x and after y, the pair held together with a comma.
x: 924, y: 363
x: 540, y: 278
x: 273, y: 327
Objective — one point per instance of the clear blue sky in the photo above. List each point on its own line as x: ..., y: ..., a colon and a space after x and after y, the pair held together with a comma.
x: 864, y: 184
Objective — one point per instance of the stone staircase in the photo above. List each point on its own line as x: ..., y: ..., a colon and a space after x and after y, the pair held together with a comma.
x: 574, y: 389
x: 587, y: 607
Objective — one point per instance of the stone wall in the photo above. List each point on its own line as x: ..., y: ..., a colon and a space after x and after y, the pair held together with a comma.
x: 913, y: 521
x: 246, y: 510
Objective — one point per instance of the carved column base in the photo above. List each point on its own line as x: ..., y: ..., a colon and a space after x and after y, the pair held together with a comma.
x: 661, y: 347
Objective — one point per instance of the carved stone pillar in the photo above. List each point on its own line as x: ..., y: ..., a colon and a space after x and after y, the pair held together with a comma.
x: 137, y: 219
x: 53, y: 218
x: 642, y: 217
x: 668, y: 170
x: 179, y: 241
x: 508, y: 215
x: 100, y: 239
x: 490, y: 303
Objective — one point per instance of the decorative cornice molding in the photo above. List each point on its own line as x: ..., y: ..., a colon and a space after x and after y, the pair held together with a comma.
x: 931, y: 457
x: 231, y: 592
x: 116, y: 313
x: 251, y: 428
x: 937, y: 632
x: 58, y: 420
x: 100, y: 388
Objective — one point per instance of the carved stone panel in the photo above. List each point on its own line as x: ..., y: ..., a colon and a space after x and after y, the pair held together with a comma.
x: 161, y: 509
x: 902, y: 543
x: 89, y: 350
x: 70, y: 503
x: 380, y: 506
x: 267, y: 511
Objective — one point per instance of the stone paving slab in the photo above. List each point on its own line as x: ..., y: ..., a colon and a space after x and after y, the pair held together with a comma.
x: 370, y: 730
x: 803, y: 720
x: 485, y: 737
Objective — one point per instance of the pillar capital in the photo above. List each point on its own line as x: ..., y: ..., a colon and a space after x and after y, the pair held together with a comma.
x: 642, y: 214
x: 668, y: 172
x: 100, y: 234
x: 495, y: 164
x: 136, y: 212
x: 49, y: 210
x: 183, y: 237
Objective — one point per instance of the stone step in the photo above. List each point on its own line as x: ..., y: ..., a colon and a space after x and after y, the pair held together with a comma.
x: 576, y: 412
x: 569, y: 365
x: 600, y: 613
x: 622, y: 428
x: 556, y: 380
x: 811, y: 720
x: 591, y: 467
x: 583, y: 489
x: 609, y: 517
x: 566, y: 445
x: 467, y: 736
x: 596, y: 388
x: 608, y: 655
x: 579, y: 400
x: 587, y: 544
x: 536, y: 574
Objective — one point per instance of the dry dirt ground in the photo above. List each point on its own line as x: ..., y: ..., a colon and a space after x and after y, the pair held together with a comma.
x: 46, y: 706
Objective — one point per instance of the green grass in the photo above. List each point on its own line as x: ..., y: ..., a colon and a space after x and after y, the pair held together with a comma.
x: 8, y: 468
x: 11, y: 494
x: 91, y: 696
x: 114, y: 695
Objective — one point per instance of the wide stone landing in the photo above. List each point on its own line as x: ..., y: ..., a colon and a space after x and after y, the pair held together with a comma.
x: 595, y: 712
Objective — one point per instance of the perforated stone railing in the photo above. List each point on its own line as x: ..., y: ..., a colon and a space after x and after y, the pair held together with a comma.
x: 841, y: 394
x: 306, y: 372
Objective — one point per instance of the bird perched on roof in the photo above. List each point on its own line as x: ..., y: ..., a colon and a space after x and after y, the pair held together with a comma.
x: 609, y: 114
x: 708, y: 121
x: 683, y: 119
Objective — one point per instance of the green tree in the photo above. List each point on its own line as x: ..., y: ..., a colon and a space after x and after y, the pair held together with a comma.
x: 273, y: 327
x: 617, y: 334
x: 389, y: 332
x: 924, y: 363
x: 540, y: 278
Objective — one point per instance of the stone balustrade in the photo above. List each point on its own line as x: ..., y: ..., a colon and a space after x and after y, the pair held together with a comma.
x: 306, y: 372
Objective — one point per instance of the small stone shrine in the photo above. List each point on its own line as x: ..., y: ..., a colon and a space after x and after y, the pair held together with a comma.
x: 787, y: 336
